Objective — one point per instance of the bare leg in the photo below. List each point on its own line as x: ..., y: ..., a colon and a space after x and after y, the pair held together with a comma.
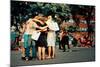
x: 39, y: 53
x: 49, y: 52
x: 43, y: 53
x: 53, y: 51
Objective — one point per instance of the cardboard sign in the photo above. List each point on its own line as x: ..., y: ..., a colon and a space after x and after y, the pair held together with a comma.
x: 35, y: 35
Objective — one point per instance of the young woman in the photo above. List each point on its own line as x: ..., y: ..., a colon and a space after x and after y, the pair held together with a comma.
x: 41, y: 42
x: 51, y: 39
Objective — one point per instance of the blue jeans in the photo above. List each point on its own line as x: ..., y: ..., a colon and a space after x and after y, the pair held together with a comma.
x: 27, y: 44
x: 33, y: 49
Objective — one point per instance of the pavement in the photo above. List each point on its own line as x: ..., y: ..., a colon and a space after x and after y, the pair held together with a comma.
x: 77, y: 55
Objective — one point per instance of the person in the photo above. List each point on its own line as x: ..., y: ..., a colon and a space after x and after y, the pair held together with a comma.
x: 51, y: 39
x: 88, y: 41
x: 70, y: 40
x: 60, y: 38
x: 27, y: 38
x: 41, y: 42
x: 13, y: 38
x: 74, y: 42
x: 31, y: 27
x: 65, y: 40
x: 26, y: 41
x: 82, y: 41
x: 32, y: 49
x: 21, y: 40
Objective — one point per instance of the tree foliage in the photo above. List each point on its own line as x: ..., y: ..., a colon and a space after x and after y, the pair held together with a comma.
x: 22, y: 10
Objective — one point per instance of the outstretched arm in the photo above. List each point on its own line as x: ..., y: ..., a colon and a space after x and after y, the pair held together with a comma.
x: 39, y: 27
x: 36, y: 20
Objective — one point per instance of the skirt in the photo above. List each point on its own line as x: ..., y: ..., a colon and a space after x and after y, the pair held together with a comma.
x: 42, y: 41
x: 51, y: 38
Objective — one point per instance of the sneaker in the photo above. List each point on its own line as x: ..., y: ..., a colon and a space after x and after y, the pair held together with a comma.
x: 26, y: 58
x: 30, y: 58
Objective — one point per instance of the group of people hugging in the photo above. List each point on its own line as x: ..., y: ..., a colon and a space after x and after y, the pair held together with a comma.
x: 37, y: 38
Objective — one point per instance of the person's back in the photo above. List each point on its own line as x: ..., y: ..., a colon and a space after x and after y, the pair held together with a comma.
x: 29, y: 28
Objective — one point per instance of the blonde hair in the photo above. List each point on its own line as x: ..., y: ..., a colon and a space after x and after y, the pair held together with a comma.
x: 49, y: 17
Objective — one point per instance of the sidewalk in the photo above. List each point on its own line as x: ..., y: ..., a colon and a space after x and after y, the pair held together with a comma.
x: 77, y: 55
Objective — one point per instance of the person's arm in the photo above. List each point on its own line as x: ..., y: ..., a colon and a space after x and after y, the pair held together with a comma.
x: 39, y: 27
x: 38, y: 21
x: 45, y: 27
x: 36, y: 26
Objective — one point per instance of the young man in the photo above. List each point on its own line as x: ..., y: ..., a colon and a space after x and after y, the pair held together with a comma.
x: 29, y: 43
